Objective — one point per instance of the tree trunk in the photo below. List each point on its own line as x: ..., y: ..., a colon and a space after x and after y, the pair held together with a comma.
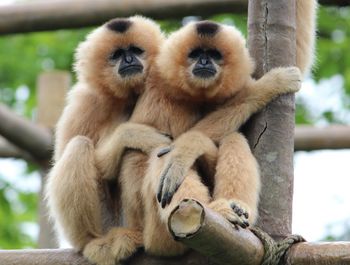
x: 271, y: 26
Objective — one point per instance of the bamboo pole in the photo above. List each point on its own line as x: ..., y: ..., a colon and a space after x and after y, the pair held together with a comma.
x: 63, y: 14
x: 271, y: 26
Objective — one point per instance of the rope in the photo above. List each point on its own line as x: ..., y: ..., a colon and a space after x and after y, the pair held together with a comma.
x: 275, y: 251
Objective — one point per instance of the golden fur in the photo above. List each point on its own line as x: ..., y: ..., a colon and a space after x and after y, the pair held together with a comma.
x: 100, y: 101
x: 174, y: 100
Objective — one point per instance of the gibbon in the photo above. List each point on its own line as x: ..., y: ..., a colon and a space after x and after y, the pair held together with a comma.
x: 111, y: 66
x: 198, y: 68
x: 227, y: 119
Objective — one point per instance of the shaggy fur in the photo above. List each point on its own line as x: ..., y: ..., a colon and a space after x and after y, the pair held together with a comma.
x: 97, y: 105
x: 174, y: 100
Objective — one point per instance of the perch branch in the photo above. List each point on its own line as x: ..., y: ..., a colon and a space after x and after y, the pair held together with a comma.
x: 210, y: 234
x: 309, y: 138
x: 60, y: 14
x: 26, y: 135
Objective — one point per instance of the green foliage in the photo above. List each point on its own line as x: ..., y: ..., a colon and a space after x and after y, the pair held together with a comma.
x: 333, y: 44
x: 17, y: 210
x: 24, y: 56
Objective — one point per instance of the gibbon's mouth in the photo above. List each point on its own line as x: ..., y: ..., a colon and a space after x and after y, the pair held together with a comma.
x: 130, y: 70
x: 204, y: 73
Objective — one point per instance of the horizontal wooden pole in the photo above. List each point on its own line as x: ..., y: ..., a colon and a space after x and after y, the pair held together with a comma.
x: 25, y: 134
x: 59, y: 14
x: 307, y: 138
x: 310, y: 138
x: 9, y: 150
x: 64, y: 14
x: 335, y: 253
x: 214, y: 240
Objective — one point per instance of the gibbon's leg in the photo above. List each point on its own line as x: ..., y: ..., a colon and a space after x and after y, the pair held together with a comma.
x: 156, y: 237
x: 120, y: 243
x: 237, y: 181
x: 133, y: 170
x: 73, y: 193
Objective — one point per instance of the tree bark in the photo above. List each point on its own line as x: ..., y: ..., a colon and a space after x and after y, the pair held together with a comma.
x: 271, y: 26
x: 52, y: 15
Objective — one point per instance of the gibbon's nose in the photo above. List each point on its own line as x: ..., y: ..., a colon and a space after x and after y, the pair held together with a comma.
x: 203, y: 60
x: 128, y: 57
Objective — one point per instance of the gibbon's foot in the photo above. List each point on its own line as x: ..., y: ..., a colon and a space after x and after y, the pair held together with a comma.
x: 117, y: 245
x: 232, y: 210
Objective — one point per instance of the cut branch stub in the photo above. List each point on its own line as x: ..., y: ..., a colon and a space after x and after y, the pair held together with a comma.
x: 212, y: 235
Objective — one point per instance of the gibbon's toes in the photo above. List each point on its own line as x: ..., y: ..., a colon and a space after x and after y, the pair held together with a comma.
x: 232, y: 211
x: 98, y: 251
x: 126, y: 243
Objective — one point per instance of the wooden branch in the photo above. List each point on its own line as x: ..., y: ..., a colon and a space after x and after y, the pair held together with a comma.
x: 26, y: 135
x: 271, y: 27
x: 59, y: 14
x: 44, y: 15
x: 207, y: 232
x: 309, y: 138
x: 210, y: 234
x: 8, y: 150
x: 325, y: 253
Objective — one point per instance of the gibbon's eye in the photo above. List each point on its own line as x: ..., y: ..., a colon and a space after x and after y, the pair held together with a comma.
x: 136, y: 50
x: 194, y: 54
x: 215, y: 54
x: 116, y: 54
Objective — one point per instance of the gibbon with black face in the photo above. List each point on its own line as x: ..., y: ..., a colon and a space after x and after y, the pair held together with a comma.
x: 111, y: 65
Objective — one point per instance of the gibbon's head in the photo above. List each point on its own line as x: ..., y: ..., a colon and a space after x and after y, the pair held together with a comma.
x: 116, y: 56
x: 206, y: 60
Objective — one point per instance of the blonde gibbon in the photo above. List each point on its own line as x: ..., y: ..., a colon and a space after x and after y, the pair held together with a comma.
x: 233, y: 173
x: 198, y: 68
x: 111, y: 65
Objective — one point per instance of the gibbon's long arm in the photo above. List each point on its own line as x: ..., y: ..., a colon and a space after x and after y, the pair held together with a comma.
x: 221, y: 123
x: 127, y: 136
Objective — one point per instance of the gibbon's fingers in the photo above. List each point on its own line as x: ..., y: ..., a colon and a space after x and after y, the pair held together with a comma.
x: 164, y: 151
x: 170, y: 180
x: 167, y: 135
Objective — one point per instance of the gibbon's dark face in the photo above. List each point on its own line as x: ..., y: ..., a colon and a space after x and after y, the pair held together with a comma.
x: 127, y: 60
x: 205, y: 62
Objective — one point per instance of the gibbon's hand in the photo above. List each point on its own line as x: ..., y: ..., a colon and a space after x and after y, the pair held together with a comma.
x: 171, y: 178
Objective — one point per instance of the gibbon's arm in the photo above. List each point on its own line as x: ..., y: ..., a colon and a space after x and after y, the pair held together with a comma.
x: 127, y: 135
x: 253, y: 98
x: 84, y: 114
x: 218, y: 124
x: 186, y: 149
